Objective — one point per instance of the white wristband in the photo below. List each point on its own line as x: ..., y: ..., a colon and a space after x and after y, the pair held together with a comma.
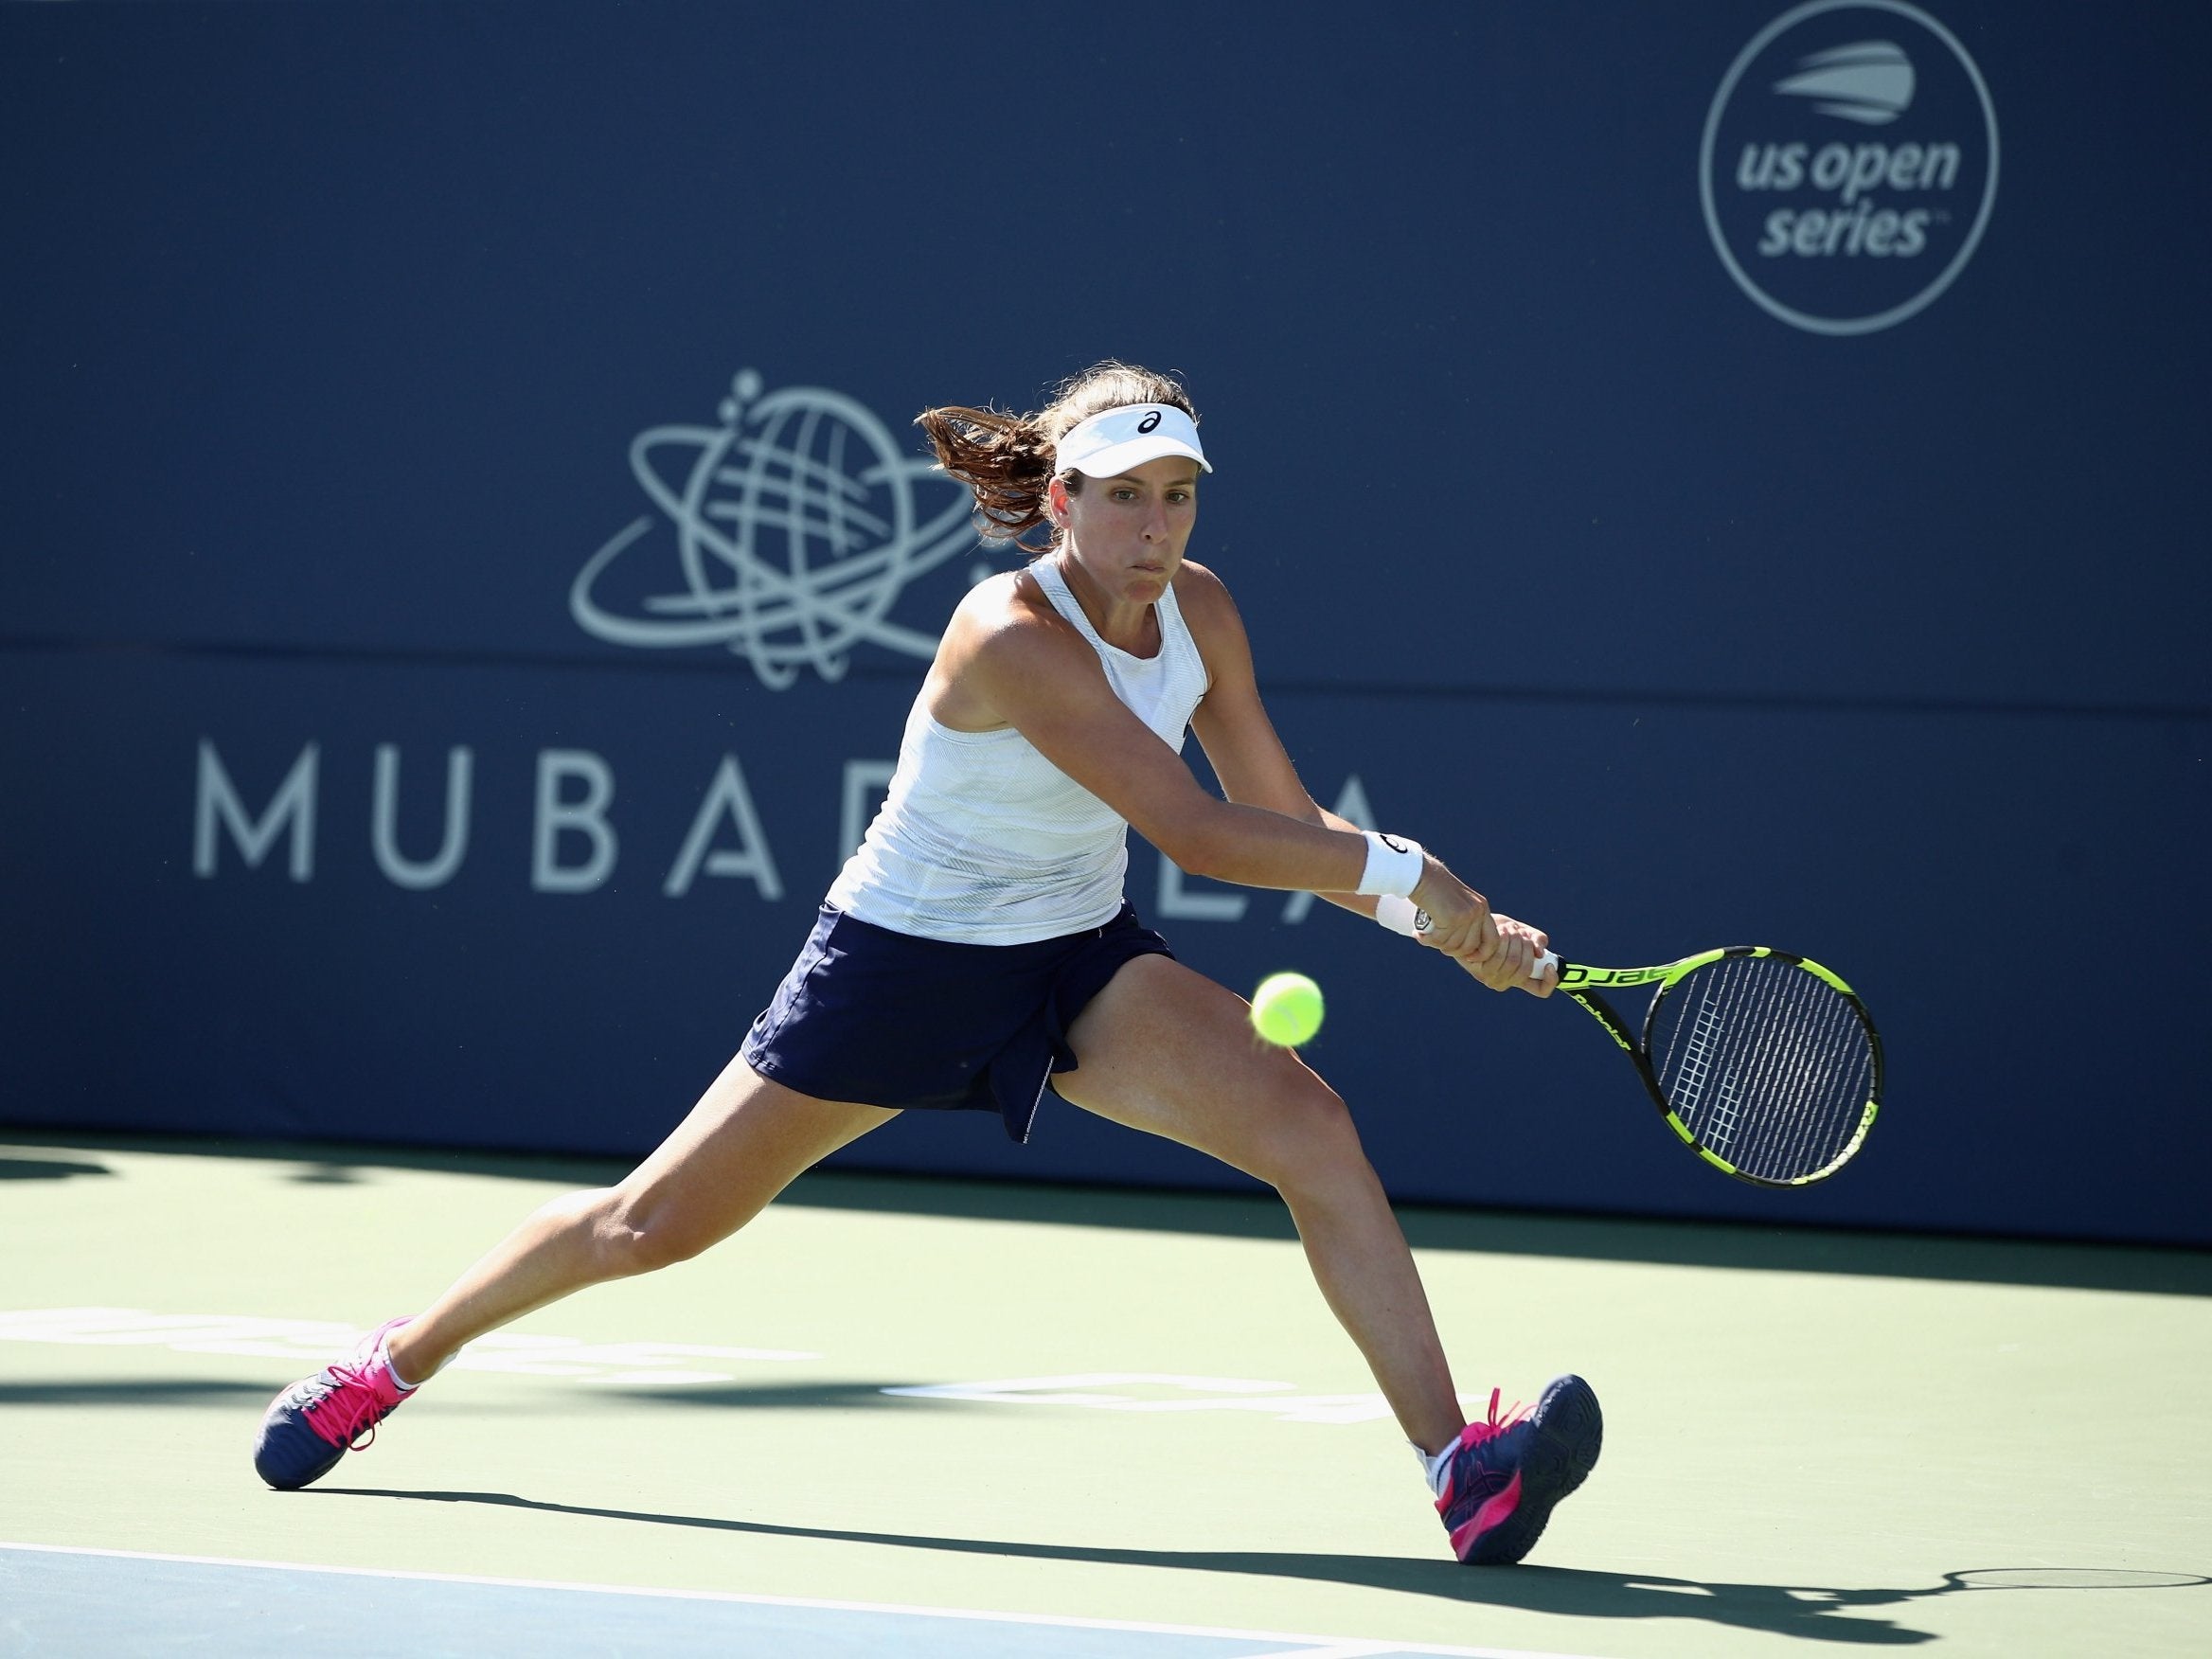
x: 1395, y: 865
x: 1399, y: 914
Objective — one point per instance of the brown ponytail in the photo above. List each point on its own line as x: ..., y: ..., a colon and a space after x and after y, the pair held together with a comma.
x: 1007, y: 459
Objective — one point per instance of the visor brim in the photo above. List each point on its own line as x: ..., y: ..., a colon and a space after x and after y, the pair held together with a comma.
x: 1119, y: 458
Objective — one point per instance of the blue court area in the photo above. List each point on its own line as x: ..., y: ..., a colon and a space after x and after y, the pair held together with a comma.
x: 87, y: 1603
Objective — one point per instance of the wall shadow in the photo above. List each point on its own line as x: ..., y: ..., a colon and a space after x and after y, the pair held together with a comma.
x: 140, y: 1391
x: 47, y: 1169
x: 1663, y: 1241
x: 776, y: 1396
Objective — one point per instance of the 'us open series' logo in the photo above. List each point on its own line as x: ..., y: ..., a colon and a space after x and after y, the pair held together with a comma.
x: 1850, y: 164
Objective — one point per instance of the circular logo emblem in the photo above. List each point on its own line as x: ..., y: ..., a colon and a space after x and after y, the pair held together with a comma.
x: 795, y: 529
x: 1850, y: 164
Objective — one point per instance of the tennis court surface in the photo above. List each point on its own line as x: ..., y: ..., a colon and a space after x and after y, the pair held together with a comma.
x: 948, y: 1418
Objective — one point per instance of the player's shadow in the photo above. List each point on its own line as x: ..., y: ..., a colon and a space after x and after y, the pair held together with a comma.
x: 1792, y: 1610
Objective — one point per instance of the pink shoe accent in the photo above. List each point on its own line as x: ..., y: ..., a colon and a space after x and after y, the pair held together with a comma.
x: 1493, y: 1511
x: 362, y: 1394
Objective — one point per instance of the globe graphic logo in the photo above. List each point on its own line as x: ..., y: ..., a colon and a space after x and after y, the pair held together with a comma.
x: 796, y: 530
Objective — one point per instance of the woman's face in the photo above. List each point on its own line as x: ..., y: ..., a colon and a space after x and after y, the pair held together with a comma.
x: 1129, y: 532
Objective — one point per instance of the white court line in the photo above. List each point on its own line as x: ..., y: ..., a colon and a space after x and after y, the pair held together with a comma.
x: 1295, y: 1646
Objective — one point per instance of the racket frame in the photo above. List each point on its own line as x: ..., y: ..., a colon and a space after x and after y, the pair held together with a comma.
x: 1584, y: 984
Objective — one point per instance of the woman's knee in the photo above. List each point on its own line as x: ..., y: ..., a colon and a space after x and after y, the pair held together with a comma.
x: 1311, y: 1144
x: 630, y: 1234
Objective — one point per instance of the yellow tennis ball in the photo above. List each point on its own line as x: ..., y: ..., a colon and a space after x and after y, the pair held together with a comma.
x: 1286, y: 1009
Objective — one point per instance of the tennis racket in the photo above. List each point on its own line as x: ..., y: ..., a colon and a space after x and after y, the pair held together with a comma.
x: 1767, y: 1065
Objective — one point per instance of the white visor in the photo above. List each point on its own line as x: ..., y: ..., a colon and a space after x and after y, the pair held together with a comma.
x: 1110, y: 443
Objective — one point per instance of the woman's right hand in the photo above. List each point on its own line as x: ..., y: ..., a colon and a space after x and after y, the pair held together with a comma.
x: 1518, y: 964
x: 1459, y: 921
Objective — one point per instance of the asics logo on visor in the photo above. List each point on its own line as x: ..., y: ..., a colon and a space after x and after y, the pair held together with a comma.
x: 1149, y: 422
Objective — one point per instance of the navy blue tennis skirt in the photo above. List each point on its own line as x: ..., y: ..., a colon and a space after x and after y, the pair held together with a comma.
x: 891, y: 1019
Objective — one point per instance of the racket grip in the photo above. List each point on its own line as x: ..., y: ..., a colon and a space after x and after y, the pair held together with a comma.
x: 1550, y: 959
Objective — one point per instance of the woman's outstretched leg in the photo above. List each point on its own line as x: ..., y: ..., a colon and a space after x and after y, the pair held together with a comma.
x: 1164, y: 1050
x: 745, y: 1140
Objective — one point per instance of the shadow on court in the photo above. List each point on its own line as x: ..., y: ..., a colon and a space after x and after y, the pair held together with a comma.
x: 1659, y: 1241
x: 131, y: 1391
x: 1665, y: 1242
x: 782, y: 1397
x: 47, y: 1169
x: 1805, y: 1611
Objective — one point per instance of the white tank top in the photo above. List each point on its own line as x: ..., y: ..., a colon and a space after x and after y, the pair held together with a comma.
x: 983, y: 841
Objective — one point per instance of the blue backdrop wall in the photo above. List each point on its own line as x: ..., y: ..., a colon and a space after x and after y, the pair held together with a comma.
x: 1719, y: 473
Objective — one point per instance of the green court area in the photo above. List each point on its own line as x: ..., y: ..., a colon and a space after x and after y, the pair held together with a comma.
x: 947, y: 1418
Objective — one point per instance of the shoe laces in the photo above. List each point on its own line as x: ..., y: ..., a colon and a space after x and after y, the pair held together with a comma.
x: 1495, y: 1425
x: 352, y: 1404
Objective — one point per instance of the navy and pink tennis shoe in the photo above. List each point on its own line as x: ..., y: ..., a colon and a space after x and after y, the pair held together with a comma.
x: 1505, y: 1477
x: 320, y: 1419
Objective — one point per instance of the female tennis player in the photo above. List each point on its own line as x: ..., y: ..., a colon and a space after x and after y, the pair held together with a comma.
x: 978, y: 946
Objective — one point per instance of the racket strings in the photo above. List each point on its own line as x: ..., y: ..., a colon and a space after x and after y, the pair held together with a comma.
x: 1799, y: 1051
x: 1768, y: 1067
x: 1811, y: 1068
